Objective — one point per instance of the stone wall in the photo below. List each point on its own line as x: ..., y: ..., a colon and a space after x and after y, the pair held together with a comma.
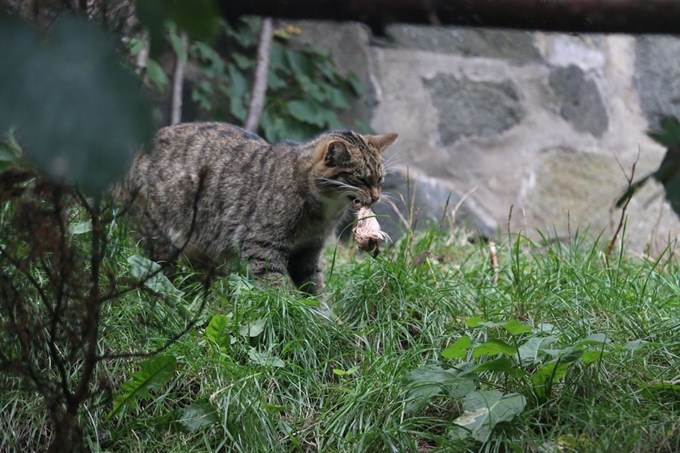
x: 548, y: 124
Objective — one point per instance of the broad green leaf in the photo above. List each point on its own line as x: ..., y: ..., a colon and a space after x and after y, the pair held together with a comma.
x: 149, y: 273
x: 155, y: 373
x: 429, y: 381
x: 274, y: 82
x: 176, y: 41
x: 597, y: 338
x: 458, y: 349
x: 218, y: 330
x: 533, y: 350
x: 198, y: 18
x: 278, y: 60
x: 483, y: 411
x: 493, y: 347
x: 80, y: 227
x: 547, y: 374
x: 272, y: 409
x: 156, y: 74
x: 356, y: 84
x: 668, y: 134
x: 474, y: 321
x: 591, y: 356
x: 300, y: 65
x: 514, y: 327
x: 80, y: 114
x: 340, y: 372
x: 239, y: 82
x: 501, y: 364
x: 635, y: 344
x: 199, y: 414
x: 136, y: 45
x: 253, y: 329
x: 306, y: 111
x: 242, y: 61
x: 337, y: 98
x: 266, y: 359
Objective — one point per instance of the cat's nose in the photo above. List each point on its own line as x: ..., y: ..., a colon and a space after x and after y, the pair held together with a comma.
x: 375, y: 196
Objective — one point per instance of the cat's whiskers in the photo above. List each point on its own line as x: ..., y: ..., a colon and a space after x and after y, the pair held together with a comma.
x: 335, y: 182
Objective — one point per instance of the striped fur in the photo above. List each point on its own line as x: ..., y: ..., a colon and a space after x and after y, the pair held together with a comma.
x: 223, y: 192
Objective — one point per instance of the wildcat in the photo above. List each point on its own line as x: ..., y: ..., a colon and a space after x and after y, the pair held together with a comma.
x: 219, y: 192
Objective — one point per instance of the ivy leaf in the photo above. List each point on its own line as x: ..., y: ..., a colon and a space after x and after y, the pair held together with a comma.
x: 493, y: 347
x: 483, y: 411
x: 155, y: 373
x: 79, y: 113
x: 195, y: 416
x: 458, y: 349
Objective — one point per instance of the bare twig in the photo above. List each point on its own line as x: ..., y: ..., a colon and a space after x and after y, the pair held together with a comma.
x: 178, y: 82
x: 494, y: 261
x: 622, y: 218
x: 260, y: 82
x: 142, y: 56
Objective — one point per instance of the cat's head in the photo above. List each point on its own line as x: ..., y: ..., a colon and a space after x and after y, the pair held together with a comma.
x: 350, y: 165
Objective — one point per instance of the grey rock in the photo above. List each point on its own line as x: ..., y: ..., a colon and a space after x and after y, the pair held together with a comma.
x: 657, y: 77
x: 573, y: 190
x: 468, y: 108
x: 582, y: 105
x: 504, y: 44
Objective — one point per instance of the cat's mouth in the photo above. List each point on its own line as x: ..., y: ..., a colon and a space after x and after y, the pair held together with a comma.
x: 359, y: 202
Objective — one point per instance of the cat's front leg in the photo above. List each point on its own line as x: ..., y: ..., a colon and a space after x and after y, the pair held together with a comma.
x: 305, y: 271
x: 264, y: 264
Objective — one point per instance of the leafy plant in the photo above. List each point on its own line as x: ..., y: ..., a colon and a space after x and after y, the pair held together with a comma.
x: 668, y: 173
x: 304, y: 88
x: 154, y: 374
x: 530, y: 362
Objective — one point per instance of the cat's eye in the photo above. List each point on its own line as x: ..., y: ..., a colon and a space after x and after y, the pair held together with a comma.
x: 381, y: 181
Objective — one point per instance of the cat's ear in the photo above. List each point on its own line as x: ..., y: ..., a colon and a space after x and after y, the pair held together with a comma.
x: 381, y: 141
x: 337, y: 154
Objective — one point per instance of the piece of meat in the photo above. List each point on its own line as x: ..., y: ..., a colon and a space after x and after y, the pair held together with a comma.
x: 367, y: 230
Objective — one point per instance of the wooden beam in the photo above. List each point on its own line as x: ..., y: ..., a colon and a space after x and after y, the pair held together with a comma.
x: 590, y: 16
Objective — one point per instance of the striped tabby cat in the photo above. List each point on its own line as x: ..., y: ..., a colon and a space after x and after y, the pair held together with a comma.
x: 222, y: 192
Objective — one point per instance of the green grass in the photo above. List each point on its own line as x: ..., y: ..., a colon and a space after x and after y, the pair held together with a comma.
x: 286, y: 378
